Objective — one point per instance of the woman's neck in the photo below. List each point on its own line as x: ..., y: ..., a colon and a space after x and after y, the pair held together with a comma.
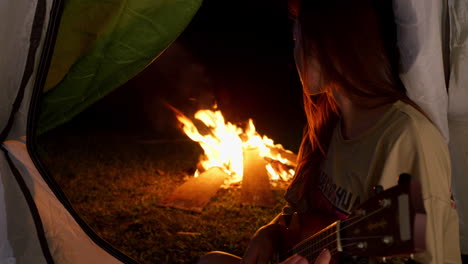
x: 355, y: 119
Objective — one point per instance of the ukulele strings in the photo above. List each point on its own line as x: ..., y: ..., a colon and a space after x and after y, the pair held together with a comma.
x: 342, y: 222
x: 362, y: 218
x: 331, y: 234
x: 350, y: 219
x: 335, y: 250
x: 304, y: 250
x: 307, y: 240
x: 332, y: 251
x: 363, y: 237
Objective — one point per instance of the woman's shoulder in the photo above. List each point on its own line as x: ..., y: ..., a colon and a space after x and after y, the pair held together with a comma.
x: 411, y: 116
x: 414, y: 145
x: 408, y: 123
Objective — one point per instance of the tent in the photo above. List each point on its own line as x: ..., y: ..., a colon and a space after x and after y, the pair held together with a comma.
x: 114, y: 41
x: 59, y: 57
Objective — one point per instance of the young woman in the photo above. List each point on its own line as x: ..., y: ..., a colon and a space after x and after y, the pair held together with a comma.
x: 362, y: 128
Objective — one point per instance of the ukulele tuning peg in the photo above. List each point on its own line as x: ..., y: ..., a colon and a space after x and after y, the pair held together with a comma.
x: 362, y: 245
x: 377, y: 189
x: 387, y: 240
x: 404, y: 178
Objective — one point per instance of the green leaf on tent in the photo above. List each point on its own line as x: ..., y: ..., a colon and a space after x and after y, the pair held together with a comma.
x: 103, y: 44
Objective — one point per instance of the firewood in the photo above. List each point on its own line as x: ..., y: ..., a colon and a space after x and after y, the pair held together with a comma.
x: 256, y: 189
x: 290, y: 156
x: 195, y: 193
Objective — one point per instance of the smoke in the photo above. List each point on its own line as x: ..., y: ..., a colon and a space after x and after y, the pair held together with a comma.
x: 176, y: 78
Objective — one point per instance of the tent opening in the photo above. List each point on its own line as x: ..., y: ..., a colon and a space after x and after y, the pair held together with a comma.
x: 119, y: 159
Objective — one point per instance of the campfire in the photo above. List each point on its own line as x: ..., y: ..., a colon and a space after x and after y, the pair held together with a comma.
x: 232, y: 156
x: 224, y: 145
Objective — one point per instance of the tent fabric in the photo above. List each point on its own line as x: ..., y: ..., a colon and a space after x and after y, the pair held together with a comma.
x: 458, y: 111
x: 420, y: 27
x: 19, y: 241
x: 66, y: 240
x: 18, y: 244
x: 17, y: 19
x: 6, y: 251
x: 103, y: 44
x: 458, y: 85
x: 27, y: 235
x: 459, y: 155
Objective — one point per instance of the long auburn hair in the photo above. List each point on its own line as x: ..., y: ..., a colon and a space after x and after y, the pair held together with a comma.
x: 354, y: 43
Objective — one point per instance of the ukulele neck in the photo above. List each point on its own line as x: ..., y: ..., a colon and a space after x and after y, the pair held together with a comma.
x: 311, y: 247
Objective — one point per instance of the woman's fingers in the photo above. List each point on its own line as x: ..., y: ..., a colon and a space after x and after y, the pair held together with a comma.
x: 324, y: 257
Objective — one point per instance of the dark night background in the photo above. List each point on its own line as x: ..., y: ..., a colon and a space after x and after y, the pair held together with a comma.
x: 238, y: 54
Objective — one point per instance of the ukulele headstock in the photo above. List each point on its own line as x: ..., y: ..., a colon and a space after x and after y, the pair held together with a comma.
x: 391, y: 223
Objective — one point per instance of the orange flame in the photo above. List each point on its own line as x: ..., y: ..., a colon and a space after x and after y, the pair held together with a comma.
x: 225, y: 143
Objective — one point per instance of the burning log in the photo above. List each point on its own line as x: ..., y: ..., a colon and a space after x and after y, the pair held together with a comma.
x: 285, y: 154
x: 256, y: 188
x: 195, y: 193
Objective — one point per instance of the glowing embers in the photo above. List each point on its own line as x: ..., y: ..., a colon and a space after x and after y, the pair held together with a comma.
x: 224, y: 145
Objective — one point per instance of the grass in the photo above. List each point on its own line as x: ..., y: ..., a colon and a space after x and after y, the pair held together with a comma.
x: 116, y: 181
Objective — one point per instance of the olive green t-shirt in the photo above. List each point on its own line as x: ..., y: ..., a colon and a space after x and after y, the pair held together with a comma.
x: 402, y: 141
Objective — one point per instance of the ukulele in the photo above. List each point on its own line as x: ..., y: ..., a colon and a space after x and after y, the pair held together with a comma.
x: 391, y: 223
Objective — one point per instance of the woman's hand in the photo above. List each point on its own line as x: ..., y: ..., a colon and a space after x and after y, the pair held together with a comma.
x: 323, y: 258
x: 262, y: 245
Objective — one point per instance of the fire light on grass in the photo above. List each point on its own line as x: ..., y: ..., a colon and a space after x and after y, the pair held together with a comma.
x: 224, y: 144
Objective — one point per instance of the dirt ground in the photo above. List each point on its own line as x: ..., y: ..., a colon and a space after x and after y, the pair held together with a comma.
x: 115, y: 181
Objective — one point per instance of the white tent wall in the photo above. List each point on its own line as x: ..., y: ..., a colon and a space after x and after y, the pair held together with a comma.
x: 35, y: 227
x: 24, y: 240
x: 15, y: 28
x: 458, y: 111
x: 420, y: 27
x: 6, y: 252
x: 18, y: 244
